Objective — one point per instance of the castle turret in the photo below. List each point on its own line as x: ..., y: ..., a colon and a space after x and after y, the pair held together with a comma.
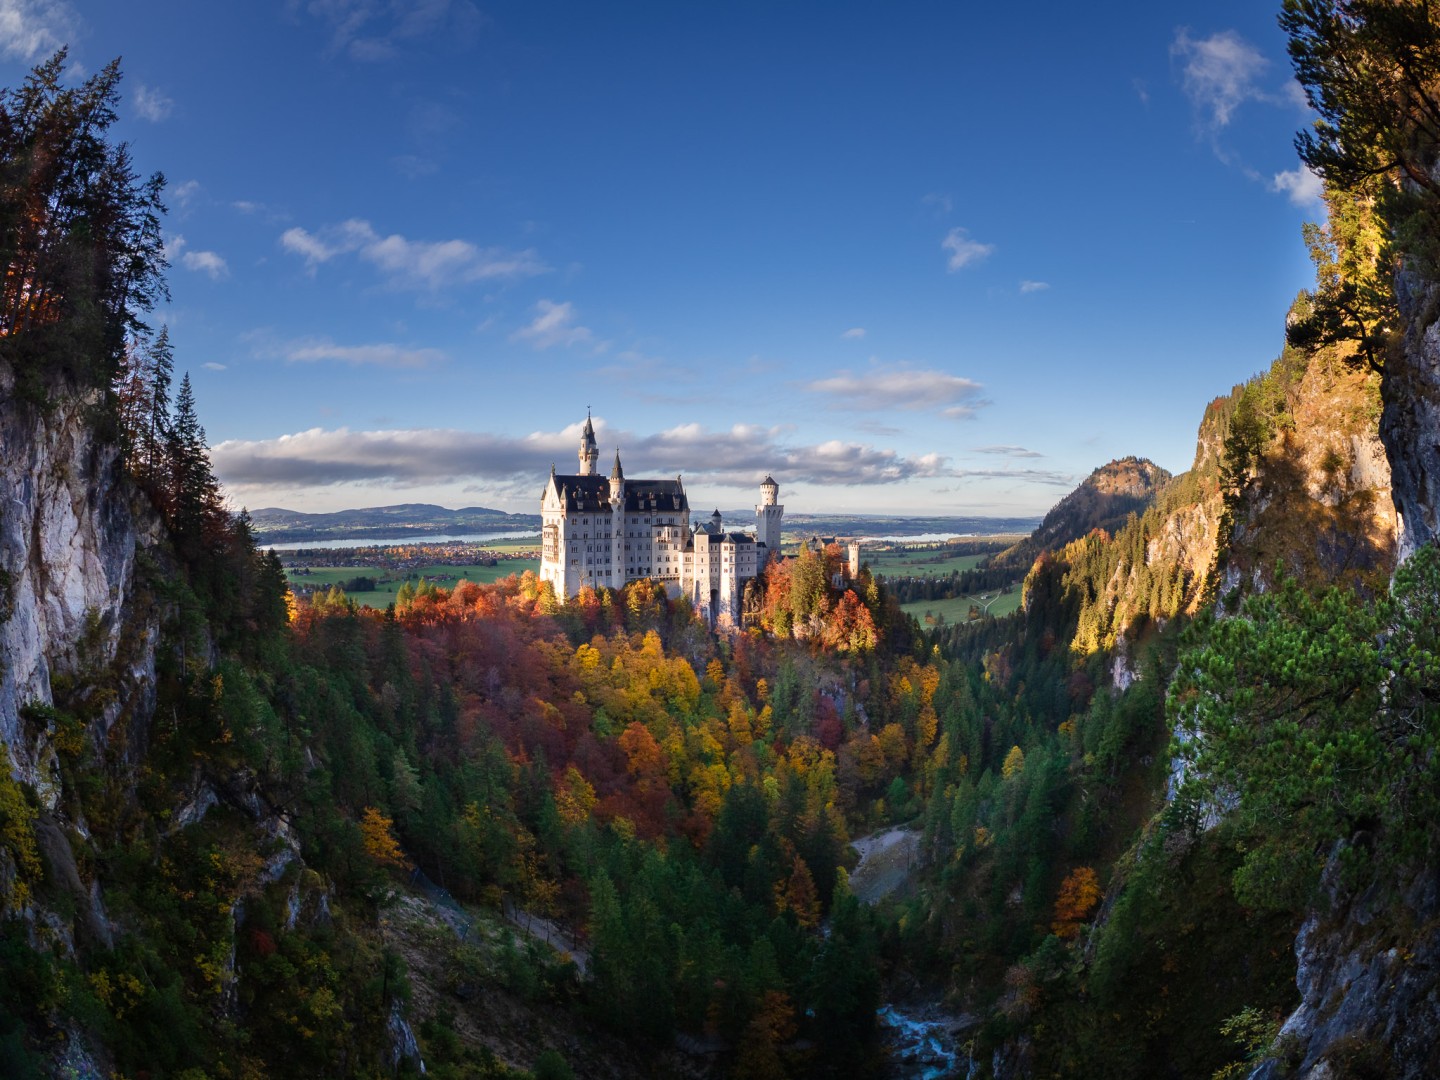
x: 589, y: 452
x: 768, y: 516
x: 617, y: 480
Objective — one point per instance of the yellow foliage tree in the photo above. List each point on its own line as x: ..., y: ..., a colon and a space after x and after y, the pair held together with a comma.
x: 379, y: 840
x: 574, y: 797
x: 1014, y: 763
x: 17, y: 834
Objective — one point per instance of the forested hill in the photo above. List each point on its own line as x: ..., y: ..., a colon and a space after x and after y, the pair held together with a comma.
x: 1102, y: 501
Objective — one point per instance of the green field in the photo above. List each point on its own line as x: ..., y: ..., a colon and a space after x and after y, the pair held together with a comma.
x: 957, y: 610
x: 919, y: 563
x: 444, y: 576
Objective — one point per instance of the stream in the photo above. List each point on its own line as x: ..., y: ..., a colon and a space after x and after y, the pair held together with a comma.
x: 923, y: 1043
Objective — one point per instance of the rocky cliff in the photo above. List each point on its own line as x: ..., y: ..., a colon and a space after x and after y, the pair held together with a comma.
x: 1311, y: 488
x: 1289, y: 471
x: 70, y: 533
x: 1410, y: 423
x: 1368, y: 971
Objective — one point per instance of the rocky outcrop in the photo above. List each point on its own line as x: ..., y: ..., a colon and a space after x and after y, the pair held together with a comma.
x: 1410, y: 422
x: 68, y: 543
x: 1317, y: 497
x: 1368, y: 971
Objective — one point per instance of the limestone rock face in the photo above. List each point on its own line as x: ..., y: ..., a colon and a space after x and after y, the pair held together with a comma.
x: 1367, y: 973
x: 1410, y: 422
x: 1318, y: 497
x: 68, y: 541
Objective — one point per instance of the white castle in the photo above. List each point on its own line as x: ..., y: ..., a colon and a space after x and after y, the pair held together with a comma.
x: 604, y: 533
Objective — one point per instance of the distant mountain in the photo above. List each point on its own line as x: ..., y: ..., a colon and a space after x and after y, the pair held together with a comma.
x: 276, y: 525
x: 1103, y: 500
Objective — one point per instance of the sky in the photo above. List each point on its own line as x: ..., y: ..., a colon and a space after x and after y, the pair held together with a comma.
x: 908, y: 258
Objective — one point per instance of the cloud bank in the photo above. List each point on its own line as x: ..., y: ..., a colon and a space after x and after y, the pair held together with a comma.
x: 739, y: 457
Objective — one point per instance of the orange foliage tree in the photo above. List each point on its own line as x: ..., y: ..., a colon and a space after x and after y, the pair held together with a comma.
x: 1079, y: 894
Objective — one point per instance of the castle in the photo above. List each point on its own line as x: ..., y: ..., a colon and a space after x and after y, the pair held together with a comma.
x: 601, y: 533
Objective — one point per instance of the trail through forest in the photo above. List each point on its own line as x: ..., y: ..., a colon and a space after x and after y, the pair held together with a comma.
x: 886, y: 861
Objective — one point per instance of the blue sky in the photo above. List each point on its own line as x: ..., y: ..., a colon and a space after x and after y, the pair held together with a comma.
x: 910, y: 257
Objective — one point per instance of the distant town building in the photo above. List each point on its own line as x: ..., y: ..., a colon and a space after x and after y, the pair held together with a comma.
x: 603, y: 533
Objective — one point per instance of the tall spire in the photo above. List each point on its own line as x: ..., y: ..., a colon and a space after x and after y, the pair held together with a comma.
x: 589, y: 452
x: 617, y: 473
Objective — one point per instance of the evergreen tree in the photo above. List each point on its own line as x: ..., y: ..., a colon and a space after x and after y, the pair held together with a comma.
x: 79, y: 231
x: 160, y: 368
x: 193, y: 494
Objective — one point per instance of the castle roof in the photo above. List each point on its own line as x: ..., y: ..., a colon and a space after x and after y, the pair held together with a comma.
x: 591, y: 494
x: 657, y: 495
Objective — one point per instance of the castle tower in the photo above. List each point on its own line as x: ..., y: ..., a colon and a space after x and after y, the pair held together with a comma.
x: 767, y: 517
x: 617, y: 522
x: 617, y: 479
x: 589, y: 452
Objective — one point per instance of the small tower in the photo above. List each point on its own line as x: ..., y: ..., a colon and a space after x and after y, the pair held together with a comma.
x: 716, y: 525
x: 617, y: 480
x: 589, y: 452
x: 768, y: 516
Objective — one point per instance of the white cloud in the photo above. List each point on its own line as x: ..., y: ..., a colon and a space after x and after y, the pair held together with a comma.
x: 205, y: 262
x: 855, y: 333
x: 212, y: 366
x: 183, y: 193
x: 152, y: 103
x: 1221, y: 73
x: 384, y: 354
x: 963, y: 250
x: 1303, y: 187
x: 314, y: 250
x: 554, y: 324
x: 29, y: 28
x: 902, y: 388
x: 1034, y: 286
x: 411, y: 264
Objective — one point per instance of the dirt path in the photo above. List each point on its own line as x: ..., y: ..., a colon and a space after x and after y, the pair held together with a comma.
x: 886, y: 859
x: 554, y: 935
